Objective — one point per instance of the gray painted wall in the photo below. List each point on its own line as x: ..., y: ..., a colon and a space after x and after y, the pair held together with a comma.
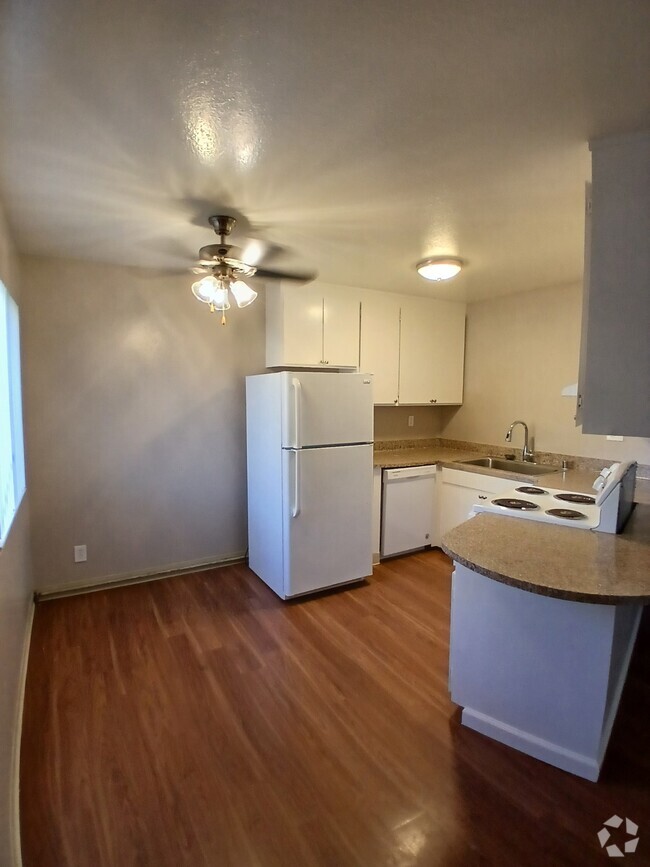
x: 15, y: 601
x: 135, y: 420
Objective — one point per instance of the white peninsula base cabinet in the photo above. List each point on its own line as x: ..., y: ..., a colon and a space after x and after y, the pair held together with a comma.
x: 540, y: 674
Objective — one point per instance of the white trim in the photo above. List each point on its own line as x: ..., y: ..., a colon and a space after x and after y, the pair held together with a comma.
x: 15, y: 854
x: 553, y: 754
x: 139, y: 577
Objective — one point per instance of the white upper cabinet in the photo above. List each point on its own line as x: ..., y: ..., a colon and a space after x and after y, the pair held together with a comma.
x: 380, y: 343
x: 341, y: 311
x: 614, y: 384
x: 312, y: 326
x: 432, y: 351
x: 414, y: 347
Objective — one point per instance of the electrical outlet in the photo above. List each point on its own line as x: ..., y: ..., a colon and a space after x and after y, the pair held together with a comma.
x: 616, y: 439
x: 411, y: 420
x: 80, y: 553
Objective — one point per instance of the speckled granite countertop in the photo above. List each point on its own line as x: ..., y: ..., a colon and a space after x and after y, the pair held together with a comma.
x: 578, y: 565
x: 580, y: 479
x: 423, y: 455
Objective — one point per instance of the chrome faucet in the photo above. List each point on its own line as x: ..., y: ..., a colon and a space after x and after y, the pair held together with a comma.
x: 526, y: 453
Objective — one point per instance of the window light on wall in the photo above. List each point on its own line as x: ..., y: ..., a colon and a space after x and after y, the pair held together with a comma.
x: 12, y: 455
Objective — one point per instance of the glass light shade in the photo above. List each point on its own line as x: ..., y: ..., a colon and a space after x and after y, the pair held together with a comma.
x: 221, y: 300
x: 243, y: 293
x: 205, y: 289
x: 439, y: 267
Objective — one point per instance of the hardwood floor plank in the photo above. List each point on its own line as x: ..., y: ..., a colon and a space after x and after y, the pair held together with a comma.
x: 202, y: 721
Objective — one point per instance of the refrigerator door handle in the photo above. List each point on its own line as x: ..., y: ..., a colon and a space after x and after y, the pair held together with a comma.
x: 297, y: 397
x: 295, y: 511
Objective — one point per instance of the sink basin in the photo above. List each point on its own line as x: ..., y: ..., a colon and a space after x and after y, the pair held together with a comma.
x: 523, y: 467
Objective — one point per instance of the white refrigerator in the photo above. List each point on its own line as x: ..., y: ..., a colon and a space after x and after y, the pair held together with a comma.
x: 309, y: 447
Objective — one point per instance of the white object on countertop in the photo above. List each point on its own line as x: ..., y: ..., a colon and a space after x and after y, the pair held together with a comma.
x: 309, y: 458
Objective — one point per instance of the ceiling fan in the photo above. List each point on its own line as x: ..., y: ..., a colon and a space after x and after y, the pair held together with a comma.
x: 225, y: 272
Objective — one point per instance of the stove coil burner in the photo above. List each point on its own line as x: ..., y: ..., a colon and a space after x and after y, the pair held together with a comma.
x: 568, y: 514
x: 516, y: 503
x: 528, y: 489
x: 578, y: 499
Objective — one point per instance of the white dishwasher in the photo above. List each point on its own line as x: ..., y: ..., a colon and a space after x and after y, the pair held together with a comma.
x: 408, y: 509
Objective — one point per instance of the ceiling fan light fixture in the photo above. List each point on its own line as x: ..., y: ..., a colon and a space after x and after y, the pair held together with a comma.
x: 242, y: 293
x: 439, y: 267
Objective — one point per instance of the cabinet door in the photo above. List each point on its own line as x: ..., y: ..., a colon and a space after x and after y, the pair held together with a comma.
x: 294, y: 326
x: 615, y: 360
x: 380, y: 343
x: 455, y: 505
x: 432, y: 351
x: 457, y: 497
x: 340, y: 326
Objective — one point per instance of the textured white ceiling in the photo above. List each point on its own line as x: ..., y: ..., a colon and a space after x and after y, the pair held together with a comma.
x: 361, y: 136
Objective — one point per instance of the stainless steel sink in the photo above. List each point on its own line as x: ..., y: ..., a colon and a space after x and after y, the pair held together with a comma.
x: 523, y: 467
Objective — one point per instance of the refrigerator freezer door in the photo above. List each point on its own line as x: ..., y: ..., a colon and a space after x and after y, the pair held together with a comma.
x: 322, y: 409
x: 328, y: 517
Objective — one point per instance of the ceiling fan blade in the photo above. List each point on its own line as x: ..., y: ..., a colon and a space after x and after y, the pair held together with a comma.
x: 269, y: 274
x: 201, y: 269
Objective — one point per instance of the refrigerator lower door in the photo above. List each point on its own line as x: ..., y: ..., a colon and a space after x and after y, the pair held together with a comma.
x: 328, y: 519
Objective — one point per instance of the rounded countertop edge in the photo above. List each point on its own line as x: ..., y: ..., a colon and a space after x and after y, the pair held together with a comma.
x: 543, y: 589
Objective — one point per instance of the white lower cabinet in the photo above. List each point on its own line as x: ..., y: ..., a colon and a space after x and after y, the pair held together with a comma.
x: 460, y: 490
x: 376, y: 514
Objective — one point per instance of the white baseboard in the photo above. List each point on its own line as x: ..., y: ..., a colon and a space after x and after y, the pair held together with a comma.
x: 553, y: 754
x: 14, y: 818
x: 126, y: 578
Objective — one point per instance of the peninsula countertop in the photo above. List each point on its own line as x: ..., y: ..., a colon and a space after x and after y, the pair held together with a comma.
x: 564, y: 562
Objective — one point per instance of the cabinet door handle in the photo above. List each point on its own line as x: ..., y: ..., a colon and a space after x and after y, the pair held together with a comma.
x: 433, y: 400
x: 395, y: 401
x: 482, y: 497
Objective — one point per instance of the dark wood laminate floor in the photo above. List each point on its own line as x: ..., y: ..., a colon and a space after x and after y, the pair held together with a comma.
x: 201, y: 721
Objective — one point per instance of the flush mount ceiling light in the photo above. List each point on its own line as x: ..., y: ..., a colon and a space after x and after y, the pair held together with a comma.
x: 439, y: 267
x: 224, y: 272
